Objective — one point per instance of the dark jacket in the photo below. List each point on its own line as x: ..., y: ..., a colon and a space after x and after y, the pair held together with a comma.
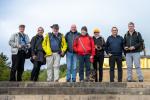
x: 36, y: 48
x: 133, y: 40
x: 114, y: 45
x: 55, y: 42
x: 70, y: 37
x: 100, y: 43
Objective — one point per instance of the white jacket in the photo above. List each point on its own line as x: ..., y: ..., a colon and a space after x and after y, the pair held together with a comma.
x: 14, y: 43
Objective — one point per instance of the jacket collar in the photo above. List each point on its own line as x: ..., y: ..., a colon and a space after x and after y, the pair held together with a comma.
x: 100, y: 36
x: 39, y: 35
x: 73, y: 32
x: 84, y: 35
x: 116, y: 36
x: 128, y: 33
x: 58, y: 34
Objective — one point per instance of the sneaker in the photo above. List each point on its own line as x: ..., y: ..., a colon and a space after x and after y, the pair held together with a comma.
x: 81, y: 80
x: 140, y: 80
x: 129, y: 80
x: 67, y: 80
x: 87, y: 80
x: 56, y: 81
x: 73, y: 80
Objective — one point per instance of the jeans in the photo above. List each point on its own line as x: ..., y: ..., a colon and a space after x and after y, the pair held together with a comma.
x: 84, y: 60
x: 130, y: 58
x: 71, y: 66
x: 112, y: 60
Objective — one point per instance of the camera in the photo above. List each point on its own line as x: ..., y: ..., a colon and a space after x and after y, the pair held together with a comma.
x: 99, y: 48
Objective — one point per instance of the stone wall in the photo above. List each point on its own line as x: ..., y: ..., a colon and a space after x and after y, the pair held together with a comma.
x: 74, y: 91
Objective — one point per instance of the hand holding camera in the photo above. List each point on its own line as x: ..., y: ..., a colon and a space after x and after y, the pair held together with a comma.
x: 132, y: 48
x: 129, y: 48
x: 126, y: 48
x: 98, y: 47
x: 34, y: 57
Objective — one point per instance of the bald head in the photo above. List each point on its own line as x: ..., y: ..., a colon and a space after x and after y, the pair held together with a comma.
x: 73, y: 28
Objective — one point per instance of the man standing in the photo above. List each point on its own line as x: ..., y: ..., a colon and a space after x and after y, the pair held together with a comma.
x: 114, y: 48
x: 99, y: 56
x: 132, y: 46
x: 19, y: 43
x: 71, y: 56
x: 54, y: 45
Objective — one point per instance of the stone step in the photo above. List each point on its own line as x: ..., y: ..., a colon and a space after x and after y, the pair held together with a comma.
x: 77, y: 84
x: 61, y: 84
x: 78, y: 88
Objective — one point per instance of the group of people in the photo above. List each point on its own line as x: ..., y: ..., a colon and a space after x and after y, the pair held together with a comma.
x: 78, y: 47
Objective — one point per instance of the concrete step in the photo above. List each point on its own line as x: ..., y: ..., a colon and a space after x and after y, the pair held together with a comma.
x: 78, y: 88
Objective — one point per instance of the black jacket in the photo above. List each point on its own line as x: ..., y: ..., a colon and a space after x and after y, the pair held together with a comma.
x: 100, y: 43
x: 70, y: 37
x: 133, y: 40
x: 36, y: 48
x: 114, y: 45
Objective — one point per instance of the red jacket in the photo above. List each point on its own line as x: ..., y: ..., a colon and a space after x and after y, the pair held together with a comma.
x: 88, y: 43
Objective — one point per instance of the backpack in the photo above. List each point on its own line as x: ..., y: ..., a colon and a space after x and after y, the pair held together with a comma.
x: 142, y: 46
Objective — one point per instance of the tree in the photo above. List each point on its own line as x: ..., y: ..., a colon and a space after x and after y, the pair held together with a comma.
x: 4, y: 67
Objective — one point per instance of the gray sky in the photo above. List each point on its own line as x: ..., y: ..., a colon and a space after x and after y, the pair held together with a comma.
x: 93, y: 13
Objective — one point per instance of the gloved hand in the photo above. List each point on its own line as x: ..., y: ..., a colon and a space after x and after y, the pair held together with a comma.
x: 91, y: 59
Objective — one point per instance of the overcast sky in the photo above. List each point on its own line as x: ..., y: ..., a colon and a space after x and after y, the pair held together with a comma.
x: 93, y: 13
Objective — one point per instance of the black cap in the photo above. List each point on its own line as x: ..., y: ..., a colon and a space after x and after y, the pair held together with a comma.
x: 56, y: 26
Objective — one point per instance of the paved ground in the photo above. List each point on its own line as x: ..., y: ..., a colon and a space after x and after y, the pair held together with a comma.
x: 146, y: 74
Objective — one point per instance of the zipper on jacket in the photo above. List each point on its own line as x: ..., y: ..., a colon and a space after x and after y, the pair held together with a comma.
x: 72, y: 41
x: 130, y: 40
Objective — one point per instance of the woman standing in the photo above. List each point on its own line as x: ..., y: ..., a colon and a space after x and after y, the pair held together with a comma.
x: 99, y: 57
x: 37, y: 54
x: 84, y: 47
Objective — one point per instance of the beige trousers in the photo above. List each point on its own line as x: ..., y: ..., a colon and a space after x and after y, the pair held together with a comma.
x: 53, y: 64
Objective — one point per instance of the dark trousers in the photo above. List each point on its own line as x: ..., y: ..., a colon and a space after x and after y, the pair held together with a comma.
x: 98, y: 65
x: 118, y: 61
x: 35, y: 70
x: 17, y: 66
x: 84, y: 60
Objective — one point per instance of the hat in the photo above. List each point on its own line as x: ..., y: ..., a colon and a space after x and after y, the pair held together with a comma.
x: 96, y: 30
x: 56, y: 26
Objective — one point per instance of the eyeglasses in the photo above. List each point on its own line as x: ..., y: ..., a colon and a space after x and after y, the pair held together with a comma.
x: 40, y: 30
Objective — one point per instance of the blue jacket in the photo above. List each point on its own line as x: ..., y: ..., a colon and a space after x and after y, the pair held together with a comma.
x: 114, y: 45
x: 70, y: 37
